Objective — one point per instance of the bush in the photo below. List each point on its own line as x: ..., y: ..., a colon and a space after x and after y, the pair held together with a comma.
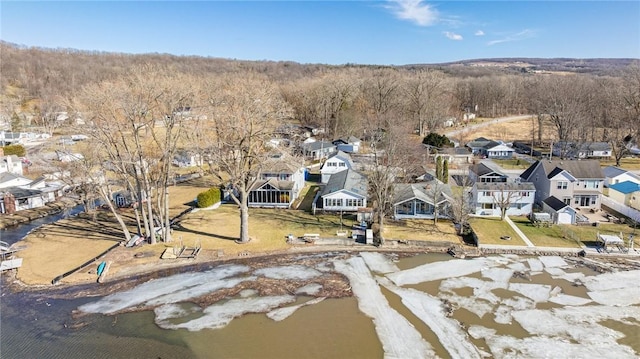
x: 17, y: 150
x: 209, y: 197
x: 437, y: 140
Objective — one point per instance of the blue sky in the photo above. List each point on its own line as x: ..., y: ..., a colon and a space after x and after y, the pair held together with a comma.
x: 332, y: 32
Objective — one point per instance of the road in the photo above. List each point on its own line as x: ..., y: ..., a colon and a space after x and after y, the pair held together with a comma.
x: 495, y: 121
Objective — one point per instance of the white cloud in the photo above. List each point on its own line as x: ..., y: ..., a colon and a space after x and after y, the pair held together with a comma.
x: 453, y: 36
x: 479, y: 33
x: 415, y: 11
x: 522, y: 35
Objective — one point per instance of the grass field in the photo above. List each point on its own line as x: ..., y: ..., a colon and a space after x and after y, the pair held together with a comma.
x: 489, y: 231
x: 554, y: 236
x: 512, y: 164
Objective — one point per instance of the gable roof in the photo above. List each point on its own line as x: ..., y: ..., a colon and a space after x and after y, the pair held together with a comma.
x: 613, y: 171
x: 281, y: 163
x: 276, y: 184
x: 478, y: 142
x: 348, y: 180
x: 482, y: 168
x: 343, y: 156
x: 625, y: 187
x: 555, y: 203
x: 350, y: 139
x: 19, y: 192
x: 580, y: 169
x: 317, y: 145
x: 505, y: 186
x: 493, y: 144
x: 423, y: 191
x: 8, y: 176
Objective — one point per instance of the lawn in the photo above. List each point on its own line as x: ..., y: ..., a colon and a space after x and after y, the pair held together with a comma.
x: 628, y: 163
x: 554, y: 236
x: 489, y: 231
x: 588, y: 234
x: 513, y: 163
x: 421, y: 230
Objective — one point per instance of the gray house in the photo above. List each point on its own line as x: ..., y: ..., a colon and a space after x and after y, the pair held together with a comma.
x: 485, y: 173
x: 346, y: 191
x: 576, y: 183
x: 318, y: 150
x: 420, y: 200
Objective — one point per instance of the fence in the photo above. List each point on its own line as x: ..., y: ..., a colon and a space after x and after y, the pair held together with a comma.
x: 621, y: 208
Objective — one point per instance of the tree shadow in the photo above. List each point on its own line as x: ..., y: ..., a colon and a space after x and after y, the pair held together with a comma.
x: 179, y: 227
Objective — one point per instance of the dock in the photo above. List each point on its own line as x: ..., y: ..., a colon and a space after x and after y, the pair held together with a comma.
x: 8, y: 260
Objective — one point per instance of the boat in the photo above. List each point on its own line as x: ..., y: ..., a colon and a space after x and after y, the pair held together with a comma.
x: 101, y: 268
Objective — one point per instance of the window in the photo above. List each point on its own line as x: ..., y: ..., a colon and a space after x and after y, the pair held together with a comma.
x: 563, y: 184
x: 567, y: 201
x: 487, y: 206
x: 342, y: 164
x: 524, y: 194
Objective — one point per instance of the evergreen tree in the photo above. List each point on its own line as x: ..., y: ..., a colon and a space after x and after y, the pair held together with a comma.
x: 439, y: 168
x: 445, y: 172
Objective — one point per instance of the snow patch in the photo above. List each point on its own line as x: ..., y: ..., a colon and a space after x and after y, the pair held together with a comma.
x: 617, y: 297
x: 613, y: 280
x: 565, y: 299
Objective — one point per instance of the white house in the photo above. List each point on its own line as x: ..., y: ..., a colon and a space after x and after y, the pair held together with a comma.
x: 11, y: 164
x: 567, y: 149
x: 13, y: 180
x: 498, y: 150
x: 318, y: 150
x: 491, y: 197
x: 187, y: 159
x: 346, y: 191
x: 338, y: 162
x: 561, y: 213
x: 613, y: 175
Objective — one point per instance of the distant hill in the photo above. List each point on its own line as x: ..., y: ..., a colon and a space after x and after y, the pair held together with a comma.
x: 600, y: 66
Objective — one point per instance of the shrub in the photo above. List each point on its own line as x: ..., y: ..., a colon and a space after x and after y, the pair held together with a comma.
x: 437, y: 140
x: 209, y: 197
x: 17, y: 150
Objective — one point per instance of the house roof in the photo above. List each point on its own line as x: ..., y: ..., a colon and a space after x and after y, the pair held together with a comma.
x: 280, y: 185
x: 350, y: 139
x: 8, y: 176
x: 348, y: 180
x: 478, y: 142
x: 343, y: 156
x: 595, y: 146
x: 314, y: 146
x: 505, y: 186
x: 456, y: 151
x: 482, y: 168
x: 423, y: 191
x: 613, y: 171
x: 581, y: 169
x: 493, y: 144
x: 625, y: 187
x: 19, y: 192
x: 555, y: 203
x: 281, y: 163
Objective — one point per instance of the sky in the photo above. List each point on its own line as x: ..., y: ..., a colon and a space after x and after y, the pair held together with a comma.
x: 395, y: 32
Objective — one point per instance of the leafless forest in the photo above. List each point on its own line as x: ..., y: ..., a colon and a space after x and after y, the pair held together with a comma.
x: 141, y: 109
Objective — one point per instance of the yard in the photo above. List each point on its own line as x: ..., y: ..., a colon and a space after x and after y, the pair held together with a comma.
x: 512, y: 164
x: 490, y: 231
x: 554, y: 236
x: 628, y: 163
x: 421, y: 230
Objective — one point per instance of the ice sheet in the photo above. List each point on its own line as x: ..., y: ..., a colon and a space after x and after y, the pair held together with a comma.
x: 430, y: 311
x: 617, y: 297
x: 283, y: 313
x: 219, y: 315
x: 536, y: 292
x: 553, y: 261
x: 158, y: 288
x: 378, y: 262
x: 398, y: 336
x: 438, y: 270
x: 288, y: 272
x: 535, y: 265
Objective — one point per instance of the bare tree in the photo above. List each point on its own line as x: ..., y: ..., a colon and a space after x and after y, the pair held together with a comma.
x: 503, y: 196
x: 461, y: 203
x: 242, y: 114
x: 425, y: 93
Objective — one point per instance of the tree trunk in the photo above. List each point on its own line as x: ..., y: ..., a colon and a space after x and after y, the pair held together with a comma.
x: 244, y: 217
x: 380, y: 227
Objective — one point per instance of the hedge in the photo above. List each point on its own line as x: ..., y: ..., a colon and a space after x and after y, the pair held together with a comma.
x: 17, y: 150
x: 209, y: 197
